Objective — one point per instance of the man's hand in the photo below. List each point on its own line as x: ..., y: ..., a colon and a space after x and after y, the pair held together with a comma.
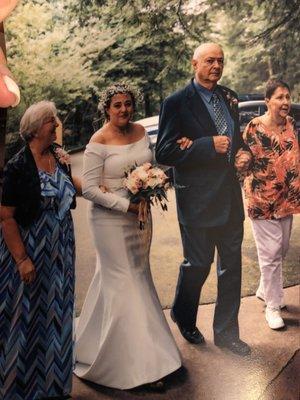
x: 221, y: 143
x: 242, y: 160
x: 184, y: 143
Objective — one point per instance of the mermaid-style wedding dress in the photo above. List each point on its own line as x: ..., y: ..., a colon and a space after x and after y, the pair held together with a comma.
x: 122, y: 337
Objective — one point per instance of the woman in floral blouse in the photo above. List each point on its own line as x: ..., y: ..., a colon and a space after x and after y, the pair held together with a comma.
x: 272, y: 189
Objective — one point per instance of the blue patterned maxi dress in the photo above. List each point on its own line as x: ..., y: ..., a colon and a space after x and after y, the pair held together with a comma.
x: 36, y: 320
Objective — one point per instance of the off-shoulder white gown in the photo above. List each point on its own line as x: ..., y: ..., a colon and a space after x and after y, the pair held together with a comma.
x: 122, y: 337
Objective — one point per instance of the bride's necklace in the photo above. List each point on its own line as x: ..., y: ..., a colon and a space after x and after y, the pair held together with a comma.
x: 123, y: 131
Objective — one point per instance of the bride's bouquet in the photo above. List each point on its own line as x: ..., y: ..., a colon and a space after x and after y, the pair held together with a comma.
x: 147, y: 184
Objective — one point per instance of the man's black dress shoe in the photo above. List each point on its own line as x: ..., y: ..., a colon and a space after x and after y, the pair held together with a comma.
x: 237, y: 346
x: 157, y: 386
x: 191, y: 335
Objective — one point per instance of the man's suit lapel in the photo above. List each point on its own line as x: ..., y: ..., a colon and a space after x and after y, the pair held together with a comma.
x: 234, y: 116
x: 199, y: 110
x: 223, y: 93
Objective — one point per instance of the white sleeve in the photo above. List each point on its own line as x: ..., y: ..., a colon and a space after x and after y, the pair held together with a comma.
x: 93, y: 162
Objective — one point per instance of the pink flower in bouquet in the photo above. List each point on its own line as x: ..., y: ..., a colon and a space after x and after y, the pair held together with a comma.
x: 141, y: 173
x: 146, y: 184
x: 156, y: 178
x: 133, y: 184
x: 147, y: 166
x: 145, y: 177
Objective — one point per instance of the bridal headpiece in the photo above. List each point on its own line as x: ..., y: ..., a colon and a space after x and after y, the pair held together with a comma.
x: 118, y: 88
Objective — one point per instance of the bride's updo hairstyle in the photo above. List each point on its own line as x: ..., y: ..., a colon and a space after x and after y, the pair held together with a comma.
x: 118, y: 88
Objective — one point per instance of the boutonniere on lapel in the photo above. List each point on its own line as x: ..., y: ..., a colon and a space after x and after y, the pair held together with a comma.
x: 232, y: 101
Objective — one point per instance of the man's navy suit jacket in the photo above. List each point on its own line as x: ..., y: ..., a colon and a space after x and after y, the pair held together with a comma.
x: 207, y: 189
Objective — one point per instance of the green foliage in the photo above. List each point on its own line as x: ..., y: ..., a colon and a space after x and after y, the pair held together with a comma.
x: 262, y: 39
x: 49, y: 53
x: 69, y: 50
x: 150, y: 49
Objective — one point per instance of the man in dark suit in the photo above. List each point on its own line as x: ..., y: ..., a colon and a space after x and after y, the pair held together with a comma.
x: 209, y: 201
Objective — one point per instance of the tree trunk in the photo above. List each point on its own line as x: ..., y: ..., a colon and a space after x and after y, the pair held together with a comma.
x: 270, y: 67
x: 161, y: 92
x: 147, y: 105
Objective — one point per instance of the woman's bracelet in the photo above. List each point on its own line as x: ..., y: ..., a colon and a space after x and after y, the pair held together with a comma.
x: 22, y: 260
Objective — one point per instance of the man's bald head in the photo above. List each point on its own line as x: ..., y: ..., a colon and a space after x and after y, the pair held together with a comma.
x: 208, y: 61
x: 205, y: 48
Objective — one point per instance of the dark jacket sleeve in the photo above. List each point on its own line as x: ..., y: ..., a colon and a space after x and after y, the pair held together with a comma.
x: 10, y: 189
x: 240, y: 144
x: 168, y: 151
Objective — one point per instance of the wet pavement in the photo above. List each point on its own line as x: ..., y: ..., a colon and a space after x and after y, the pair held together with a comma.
x: 271, y: 372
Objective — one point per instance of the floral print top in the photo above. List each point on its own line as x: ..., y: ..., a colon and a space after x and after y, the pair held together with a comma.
x: 272, y: 186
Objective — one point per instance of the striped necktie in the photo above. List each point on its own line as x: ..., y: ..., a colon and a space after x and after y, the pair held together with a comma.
x: 220, y: 120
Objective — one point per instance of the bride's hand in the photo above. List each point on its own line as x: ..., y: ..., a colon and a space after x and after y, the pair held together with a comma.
x: 184, y: 143
x: 144, y: 208
x: 141, y: 209
x: 103, y: 189
x: 134, y: 208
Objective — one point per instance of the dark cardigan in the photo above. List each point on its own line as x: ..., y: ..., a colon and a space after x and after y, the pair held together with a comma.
x: 21, y: 185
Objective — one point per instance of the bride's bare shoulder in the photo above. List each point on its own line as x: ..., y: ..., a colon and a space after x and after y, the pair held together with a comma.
x: 138, y: 129
x: 100, y: 136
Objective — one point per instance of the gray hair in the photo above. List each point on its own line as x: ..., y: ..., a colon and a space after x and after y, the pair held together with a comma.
x: 203, y: 47
x: 118, y: 88
x: 34, y: 117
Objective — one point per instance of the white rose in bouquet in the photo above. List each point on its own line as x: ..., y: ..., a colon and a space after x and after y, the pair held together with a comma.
x: 147, y: 182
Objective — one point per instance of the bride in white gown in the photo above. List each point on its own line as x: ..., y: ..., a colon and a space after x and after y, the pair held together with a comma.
x: 122, y: 337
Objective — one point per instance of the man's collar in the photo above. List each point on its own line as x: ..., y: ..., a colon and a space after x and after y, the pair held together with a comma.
x: 207, y: 94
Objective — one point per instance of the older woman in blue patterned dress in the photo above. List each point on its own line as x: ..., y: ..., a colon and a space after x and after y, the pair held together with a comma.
x: 37, y: 264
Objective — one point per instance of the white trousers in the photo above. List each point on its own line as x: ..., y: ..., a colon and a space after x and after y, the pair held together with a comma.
x: 272, y: 239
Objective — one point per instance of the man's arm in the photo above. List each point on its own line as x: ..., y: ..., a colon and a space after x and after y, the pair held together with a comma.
x: 242, y: 145
x: 243, y: 155
x: 168, y: 151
